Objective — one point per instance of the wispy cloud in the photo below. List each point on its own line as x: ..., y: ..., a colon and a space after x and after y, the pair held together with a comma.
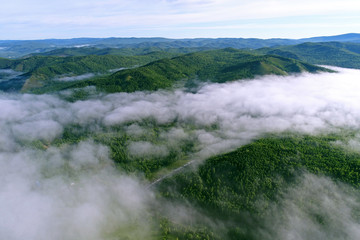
x: 75, y: 78
x: 89, y: 16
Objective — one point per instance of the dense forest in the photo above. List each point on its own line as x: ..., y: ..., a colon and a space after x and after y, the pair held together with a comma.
x: 230, y: 186
x: 183, y: 139
x: 236, y: 187
x: 215, y: 65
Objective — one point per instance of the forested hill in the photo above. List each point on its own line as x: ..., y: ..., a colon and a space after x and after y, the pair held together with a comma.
x: 325, y: 53
x: 34, y: 63
x: 4, y: 62
x: 216, y: 65
x: 16, y: 49
x: 162, y: 69
x: 243, y: 186
x: 40, y: 70
x: 84, y: 51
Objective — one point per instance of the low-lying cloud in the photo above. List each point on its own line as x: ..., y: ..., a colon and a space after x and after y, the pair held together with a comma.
x: 243, y: 110
x: 316, y: 208
x: 7, y: 74
x: 68, y: 193
x: 75, y: 78
x: 74, y: 191
x: 238, y: 110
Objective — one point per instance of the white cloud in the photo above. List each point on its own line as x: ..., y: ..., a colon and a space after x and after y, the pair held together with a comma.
x: 240, y: 110
x: 69, y: 193
x: 147, y: 150
x: 75, y: 78
x: 124, y: 15
x: 245, y: 109
x: 74, y: 192
x: 298, y: 210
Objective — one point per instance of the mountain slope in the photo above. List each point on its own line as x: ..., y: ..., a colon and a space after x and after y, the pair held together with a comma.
x: 4, y: 62
x: 348, y: 37
x: 84, y: 51
x: 216, y: 65
x: 15, y: 49
x: 40, y: 70
x: 243, y: 186
x: 329, y: 53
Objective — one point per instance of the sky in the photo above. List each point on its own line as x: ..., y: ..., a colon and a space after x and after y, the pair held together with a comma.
x: 42, y: 19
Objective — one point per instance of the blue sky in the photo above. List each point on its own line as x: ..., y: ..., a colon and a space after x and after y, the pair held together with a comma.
x: 40, y: 19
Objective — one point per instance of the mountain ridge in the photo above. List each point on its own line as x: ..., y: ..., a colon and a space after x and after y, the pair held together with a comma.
x: 339, y: 54
x: 215, y: 66
x: 19, y: 48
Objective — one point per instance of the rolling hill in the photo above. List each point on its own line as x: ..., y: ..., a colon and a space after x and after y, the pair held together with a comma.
x: 262, y: 169
x: 348, y: 37
x: 325, y: 53
x: 244, y: 185
x: 216, y: 66
x: 39, y: 70
x: 84, y: 51
x: 19, y: 48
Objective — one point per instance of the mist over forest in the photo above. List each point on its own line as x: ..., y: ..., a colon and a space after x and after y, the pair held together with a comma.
x: 180, y: 120
x: 107, y: 166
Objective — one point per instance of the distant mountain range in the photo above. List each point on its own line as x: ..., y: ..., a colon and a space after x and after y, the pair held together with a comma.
x: 19, y: 48
x: 341, y: 54
x: 136, y: 64
x: 349, y: 37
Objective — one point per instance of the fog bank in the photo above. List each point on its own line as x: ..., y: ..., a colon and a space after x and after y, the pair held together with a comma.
x: 315, y: 208
x: 75, y: 192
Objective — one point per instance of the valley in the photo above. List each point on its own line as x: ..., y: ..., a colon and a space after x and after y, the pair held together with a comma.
x: 181, y: 139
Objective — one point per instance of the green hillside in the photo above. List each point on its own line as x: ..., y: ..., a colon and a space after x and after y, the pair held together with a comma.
x: 327, y: 53
x: 240, y: 186
x: 216, y: 66
x: 40, y: 70
x: 239, y: 189
x: 231, y: 195
x: 16, y: 49
x: 4, y: 62
x: 57, y: 66
x: 84, y: 51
